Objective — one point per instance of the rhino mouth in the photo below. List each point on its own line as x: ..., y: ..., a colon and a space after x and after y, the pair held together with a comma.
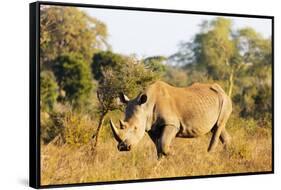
x: 123, y: 147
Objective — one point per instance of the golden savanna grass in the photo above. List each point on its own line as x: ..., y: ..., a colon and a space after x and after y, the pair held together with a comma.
x: 250, y: 151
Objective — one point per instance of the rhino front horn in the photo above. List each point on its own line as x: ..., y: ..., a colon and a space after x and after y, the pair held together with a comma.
x: 116, y: 133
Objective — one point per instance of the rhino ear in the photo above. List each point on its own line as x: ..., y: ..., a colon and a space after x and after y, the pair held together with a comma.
x: 123, y: 98
x: 142, y: 99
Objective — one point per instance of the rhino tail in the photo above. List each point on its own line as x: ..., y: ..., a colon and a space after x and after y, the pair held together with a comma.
x: 217, y: 88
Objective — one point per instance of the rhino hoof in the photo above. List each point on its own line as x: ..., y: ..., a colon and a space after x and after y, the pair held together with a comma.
x: 160, y: 156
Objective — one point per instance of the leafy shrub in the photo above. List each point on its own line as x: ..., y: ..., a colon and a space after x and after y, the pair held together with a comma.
x: 156, y: 64
x: 51, y: 126
x: 176, y: 77
x: 265, y: 120
x: 116, y: 73
x: 249, y: 125
x: 71, y: 127
x: 48, y: 90
x: 78, y: 128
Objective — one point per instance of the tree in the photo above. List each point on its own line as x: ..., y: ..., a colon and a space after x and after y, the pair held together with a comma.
x: 69, y: 30
x: 254, y: 47
x: 74, y: 78
x: 176, y: 76
x: 255, y: 97
x: 213, y: 51
x: 103, y: 60
x: 115, y: 74
x: 156, y: 64
x: 240, y: 60
x: 48, y: 90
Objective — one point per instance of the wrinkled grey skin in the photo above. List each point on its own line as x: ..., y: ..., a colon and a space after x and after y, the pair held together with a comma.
x: 166, y: 112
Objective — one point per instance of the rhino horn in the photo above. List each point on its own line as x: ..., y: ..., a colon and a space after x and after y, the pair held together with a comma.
x: 122, y: 124
x: 115, y: 130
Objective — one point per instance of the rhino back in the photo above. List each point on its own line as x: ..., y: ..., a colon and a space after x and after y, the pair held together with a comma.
x: 194, y: 109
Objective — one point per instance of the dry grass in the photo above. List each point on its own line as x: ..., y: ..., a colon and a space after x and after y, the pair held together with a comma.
x: 250, y: 151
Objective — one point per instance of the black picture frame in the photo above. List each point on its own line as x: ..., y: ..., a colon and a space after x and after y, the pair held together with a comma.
x: 34, y: 92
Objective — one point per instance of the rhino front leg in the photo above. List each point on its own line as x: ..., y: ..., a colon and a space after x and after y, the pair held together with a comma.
x: 169, y: 133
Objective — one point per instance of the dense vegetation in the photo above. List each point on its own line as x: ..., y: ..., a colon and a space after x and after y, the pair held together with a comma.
x: 81, y: 78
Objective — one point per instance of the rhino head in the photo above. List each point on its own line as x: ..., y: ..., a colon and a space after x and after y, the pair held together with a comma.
x: 132, y: 128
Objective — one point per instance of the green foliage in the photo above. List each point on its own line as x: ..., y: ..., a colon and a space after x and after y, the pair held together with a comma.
x: 74, y: 128
x: 176, y: 76
x: 51, y: 125
x: 254, y: 47
x: 74, y: 77
x: 256, y: 52
x: 249, y: 124
x: 78, y: 128
x: 69, y: 30
x: 265, y: 120
x: 117, y: 73
x: 48, y: 90
x: 213, y: 48
x: 103, y: 60
x: 156, y: 64
x: 106, y: 132
x: 239, y: 60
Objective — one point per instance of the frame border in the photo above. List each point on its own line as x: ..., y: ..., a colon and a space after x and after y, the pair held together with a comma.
x: 34, y: 93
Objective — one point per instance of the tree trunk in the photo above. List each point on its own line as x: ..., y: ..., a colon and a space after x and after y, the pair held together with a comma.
x: 231, y: 83
x: 96, y: 136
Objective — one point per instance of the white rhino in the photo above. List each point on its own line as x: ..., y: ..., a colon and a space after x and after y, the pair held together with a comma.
x: 166, y: 112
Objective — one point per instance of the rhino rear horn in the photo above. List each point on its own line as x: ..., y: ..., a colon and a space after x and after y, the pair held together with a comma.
x: 122, y: 124
x: 115, y: 130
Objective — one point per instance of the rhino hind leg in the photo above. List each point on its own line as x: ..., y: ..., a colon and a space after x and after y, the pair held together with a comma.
x: 219, y: 129
x: 215, y: 138
x: 225, y: 137
x: 169, y: 133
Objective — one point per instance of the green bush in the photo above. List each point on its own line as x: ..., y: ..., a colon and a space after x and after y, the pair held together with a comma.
x: 48, y: 90
x: 176, y: 76
x: 116, y: 73
x: 78, y: 128
x: 74, y: 77
x: 71, y: 127
x: 104, y: 60
x: 265, y: 120
x: 51, y: 126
